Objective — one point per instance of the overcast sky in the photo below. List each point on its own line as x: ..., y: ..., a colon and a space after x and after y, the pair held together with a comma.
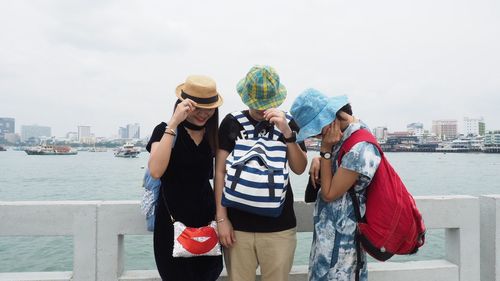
x: 109, y: 63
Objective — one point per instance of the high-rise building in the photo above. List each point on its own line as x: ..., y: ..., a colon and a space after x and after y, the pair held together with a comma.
x: 7, y: 126
x: 84, y: 134
x: 380, y: 133
x: 474, y: 126
x: 35, y: 131
x: 445, y: 129
x: 416, y: 129
x: 134, y: 131
x: 123, y: 133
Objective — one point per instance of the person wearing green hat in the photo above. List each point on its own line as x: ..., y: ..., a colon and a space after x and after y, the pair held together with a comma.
x: 251, y: 240
x: 334, y: 254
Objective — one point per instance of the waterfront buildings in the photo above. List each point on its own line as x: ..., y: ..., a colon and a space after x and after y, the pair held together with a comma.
x: 72, y: 136
x: 123, y: 133
x: 12, y: 138
x: 492, y: 142
x: 134, y: 131
x: 131, y: 131
x: 84, y: 135
x: 416, y: 129
x: 445, y: 129
x: 380, y: 133
x: 7, y: 126
x: 474, y: 126
x: 35, y: 132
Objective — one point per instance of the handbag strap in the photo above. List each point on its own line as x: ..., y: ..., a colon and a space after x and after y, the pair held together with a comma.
x: 166, y: 206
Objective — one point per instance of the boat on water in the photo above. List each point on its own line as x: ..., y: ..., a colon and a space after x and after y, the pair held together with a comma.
x: 98, y: 149
x: 128, y: 150
x: 45, y: 149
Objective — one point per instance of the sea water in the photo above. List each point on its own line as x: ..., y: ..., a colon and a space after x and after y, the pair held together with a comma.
x: 101, y: 176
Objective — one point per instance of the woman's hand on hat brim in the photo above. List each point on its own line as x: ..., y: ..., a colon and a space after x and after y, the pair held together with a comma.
x: 181, y: 112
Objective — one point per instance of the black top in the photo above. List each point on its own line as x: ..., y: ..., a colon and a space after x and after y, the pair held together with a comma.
x: 185, y: 183
x: 185, y: 186
x: 230, y: 129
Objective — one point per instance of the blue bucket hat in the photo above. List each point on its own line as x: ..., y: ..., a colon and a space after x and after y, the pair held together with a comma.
x: 312, y: 111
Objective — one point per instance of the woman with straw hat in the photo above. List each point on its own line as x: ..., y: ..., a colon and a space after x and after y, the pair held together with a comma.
x: 181, y: 155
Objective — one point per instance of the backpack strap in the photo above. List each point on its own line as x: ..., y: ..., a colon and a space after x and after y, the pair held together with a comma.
x: 274, y: 133
x: 361, y: 135
x: 243, y: 120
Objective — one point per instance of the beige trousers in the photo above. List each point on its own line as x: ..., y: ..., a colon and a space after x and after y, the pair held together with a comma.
x: 272, y: 251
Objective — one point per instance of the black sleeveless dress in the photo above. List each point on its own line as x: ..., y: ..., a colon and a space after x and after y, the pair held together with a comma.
x: 185, y: 186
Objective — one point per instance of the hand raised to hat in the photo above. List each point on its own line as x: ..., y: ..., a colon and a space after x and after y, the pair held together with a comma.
x: 278, y: 118
x: 331, y: 136
x: 181, y: 112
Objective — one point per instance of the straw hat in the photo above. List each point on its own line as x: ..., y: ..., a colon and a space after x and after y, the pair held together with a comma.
x: 200, y: 89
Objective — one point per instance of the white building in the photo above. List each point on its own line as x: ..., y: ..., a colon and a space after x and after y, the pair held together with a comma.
x: 134, y: 131
x: 380, y: 133
x: 84, y: 135
x: 445, y: 129
x: 474, y: 126
x: 416, y: 129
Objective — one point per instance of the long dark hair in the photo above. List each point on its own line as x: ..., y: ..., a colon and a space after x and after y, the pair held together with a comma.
x: 347, y: 109
x: 211, y: 129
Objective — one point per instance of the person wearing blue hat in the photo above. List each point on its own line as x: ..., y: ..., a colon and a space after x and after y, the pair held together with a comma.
x: 254, y: 240
x: 333, y: 252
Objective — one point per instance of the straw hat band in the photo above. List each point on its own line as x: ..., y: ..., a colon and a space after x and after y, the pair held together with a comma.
x: 200, y: 89
x: 209, y: 100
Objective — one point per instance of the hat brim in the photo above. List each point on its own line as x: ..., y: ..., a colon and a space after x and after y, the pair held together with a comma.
x: 324, y: 117
x: 219, y: 102
x: 263, y: 104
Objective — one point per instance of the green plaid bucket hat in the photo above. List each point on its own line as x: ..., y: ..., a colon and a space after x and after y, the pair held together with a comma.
x: 261, y: 88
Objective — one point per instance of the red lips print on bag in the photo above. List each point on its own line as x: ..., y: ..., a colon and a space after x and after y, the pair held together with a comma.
x: 195, y: 241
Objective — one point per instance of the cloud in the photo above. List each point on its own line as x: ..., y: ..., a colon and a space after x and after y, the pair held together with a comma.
x: 107, y: 63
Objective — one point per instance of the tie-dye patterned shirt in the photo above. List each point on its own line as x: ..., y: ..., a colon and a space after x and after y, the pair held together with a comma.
x: 333, y: 250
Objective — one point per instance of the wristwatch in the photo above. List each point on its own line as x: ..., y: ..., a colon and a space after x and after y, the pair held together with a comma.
x: 293, y: 138
x: 326, y: 155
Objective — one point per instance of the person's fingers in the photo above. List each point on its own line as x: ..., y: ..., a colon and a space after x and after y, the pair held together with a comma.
x: 313, y: 182
x: 233, y: 237
x: 316, y: 173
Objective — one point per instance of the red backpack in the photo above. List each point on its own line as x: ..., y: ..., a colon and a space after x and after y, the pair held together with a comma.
x: 392, y: 223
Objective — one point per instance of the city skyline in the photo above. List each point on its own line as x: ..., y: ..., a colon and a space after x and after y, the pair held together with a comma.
x: 105, y: 63
x: 124, y: 132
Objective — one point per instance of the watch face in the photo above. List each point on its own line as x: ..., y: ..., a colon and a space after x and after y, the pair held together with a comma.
x: 326, y: 155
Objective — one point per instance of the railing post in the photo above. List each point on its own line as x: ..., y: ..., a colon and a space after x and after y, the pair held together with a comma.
x: 490, y: 237
x: 84, y: 243
x: 462, y: 244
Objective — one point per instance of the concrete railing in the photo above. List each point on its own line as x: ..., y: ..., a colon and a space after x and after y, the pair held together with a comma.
x: 99, y: 227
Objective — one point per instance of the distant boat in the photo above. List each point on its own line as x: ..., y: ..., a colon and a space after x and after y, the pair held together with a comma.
x: 128, y: 150
x: 98, y: 149
x: 45, y: 149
